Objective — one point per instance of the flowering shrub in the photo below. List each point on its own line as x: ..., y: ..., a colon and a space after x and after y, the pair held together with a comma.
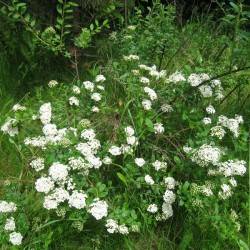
x: 128, y: 148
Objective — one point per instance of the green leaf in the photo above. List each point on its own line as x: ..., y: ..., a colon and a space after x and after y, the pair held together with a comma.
x: 149, y: 123
x: 73, y: 4
x: 122, y: 178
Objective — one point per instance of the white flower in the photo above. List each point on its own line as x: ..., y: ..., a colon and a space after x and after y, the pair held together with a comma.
x: 159, y: 165
x: 18, y: 107
x: 206, y: 91
x: 77, y: 199
x: 59, y: 195
x: 151, y: 93
x: 158, y: 128
x: 197, y: 79
x: 100, y: 78
x: 73, y: 101
x: 95, y: 109
x: 50, y: 203
x: 52, y: 83
x: 89, y: 85
x: 194, y: 80
x: 58, y: 171
x: 131, y: 27
x: 39, y: 141
x: 140, y: 162
x: 225, y: 192
x: 99, y: 209
x: 10, y: 224
x: 231, y: 124
x: 232, y: 167
x: 166, y: 108
x: 144, y: 80
x: 149, y: 180
x: 123, y: 229
x: 167, y: 210
x: 135, y: 72
x: 152, y: 208
x: 210, y: 109
x: 112, y: 226
x: 176, y: 77
x: 114, y: 150
x: 207, y: 120
x: 126, y: 149
x: 45, y: 113
x: 169, y: 197
x: 88, y: 134
x: 94, y: 161
x: 147, y: 105
x: 217, y: 131
x: 215, y: 83
x: 206, y: 155
x: 129, y: 131
x: 84, y: 148
x: 96, y: 97
x: 44, y: 184
x: 49, y: 130
x: 169, y: 182
x: 131, y: 58
x: 206, y: 190
x: 10, y: 127
x: 100, y: 87
x: 7, y: 207
x: 132, y: 140
x: 107, y: 160
x: 76, y: 90
x: 233, y: 182
x: 15, y: 238
x: 37, y: 164
x: 187, y: 149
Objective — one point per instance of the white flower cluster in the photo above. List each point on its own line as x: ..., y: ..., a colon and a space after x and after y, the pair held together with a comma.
x: 125, y: 148
x: 45, y: 112
x: 113, y: 227
x: 151, y: 93
x: 131, y: 58
x: 176, y: 77
x: 18, y: 107
x: 149, y: 180
x: 7, y: 207
x: 168, y: 199
x: 10, y: 127
x: 74, y: 101
x: 207, y: 90
x: 232, y: 124
x: 37, y: 164
x: 99, y: 209
x: 166, y: 108
x: 231, y: 168
x: 158, y: 128
x: 76, y: 90
x: 52, y: 83
x: 159, y: 165
x: 15, y: 238
x: 218, y: 132
x: 144, y: 80
x: 206, y: 154
x: 153, y: 71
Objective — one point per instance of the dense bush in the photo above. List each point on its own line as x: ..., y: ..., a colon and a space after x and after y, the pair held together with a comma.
x: 140, y: 153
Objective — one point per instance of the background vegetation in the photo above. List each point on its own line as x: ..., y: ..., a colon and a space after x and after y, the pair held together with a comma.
x: 70, y: 41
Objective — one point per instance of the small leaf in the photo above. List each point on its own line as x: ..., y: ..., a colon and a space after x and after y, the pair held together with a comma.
x: 122, y: 178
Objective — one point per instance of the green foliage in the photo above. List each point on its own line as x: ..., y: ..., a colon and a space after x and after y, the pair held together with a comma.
x: 199, y: 222
x: 83, y: 40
